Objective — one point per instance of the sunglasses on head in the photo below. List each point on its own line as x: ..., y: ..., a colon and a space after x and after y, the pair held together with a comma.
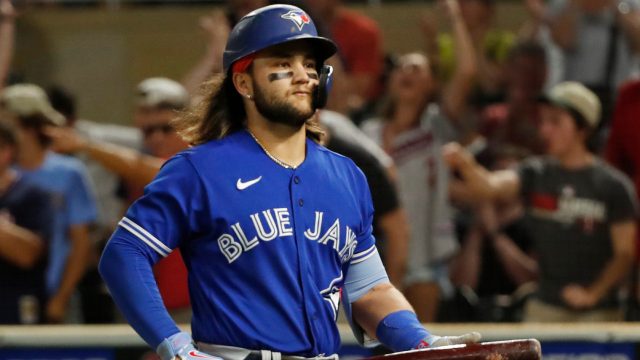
x: 151, y: 129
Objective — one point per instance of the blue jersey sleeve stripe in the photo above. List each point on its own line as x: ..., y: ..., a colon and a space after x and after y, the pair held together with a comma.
x: 365, y: 255
x: 139, y: 236
x: 144, y: 232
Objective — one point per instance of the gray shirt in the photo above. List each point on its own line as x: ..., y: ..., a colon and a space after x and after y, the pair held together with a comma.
x: 570, y: 214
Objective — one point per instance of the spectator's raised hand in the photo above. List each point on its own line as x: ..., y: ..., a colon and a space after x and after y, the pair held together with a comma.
x: 428, y: 24
x: 535, y: 8
x: 7, y: 11
x: 451, y: 8
x: 217, y: 28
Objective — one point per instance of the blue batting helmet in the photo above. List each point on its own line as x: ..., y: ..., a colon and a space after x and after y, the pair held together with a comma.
x: 273, y: 25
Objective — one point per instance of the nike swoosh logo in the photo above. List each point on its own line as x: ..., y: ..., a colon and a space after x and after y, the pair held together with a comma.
x: 243, y: 185
x: 195, y: 354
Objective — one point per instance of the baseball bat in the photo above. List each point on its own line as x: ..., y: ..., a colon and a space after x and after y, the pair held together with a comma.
x: 520, y: 349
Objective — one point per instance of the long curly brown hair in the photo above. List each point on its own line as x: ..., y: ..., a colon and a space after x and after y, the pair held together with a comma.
x: 220, y: 113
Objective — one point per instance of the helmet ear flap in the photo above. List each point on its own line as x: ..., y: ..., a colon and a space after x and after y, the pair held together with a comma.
x: 321, y: 92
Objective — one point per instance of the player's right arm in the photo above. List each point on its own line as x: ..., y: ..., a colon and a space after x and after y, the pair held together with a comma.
x: 152, y: 227
x: 477, y: 182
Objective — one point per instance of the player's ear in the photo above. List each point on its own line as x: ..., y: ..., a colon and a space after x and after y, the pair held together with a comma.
x: 242, y: 83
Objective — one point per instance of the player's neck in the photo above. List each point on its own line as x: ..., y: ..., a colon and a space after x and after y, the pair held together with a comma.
x: 282, y: 142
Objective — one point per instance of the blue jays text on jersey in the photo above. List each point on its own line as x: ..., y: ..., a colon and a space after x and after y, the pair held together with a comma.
x: 267, y: 247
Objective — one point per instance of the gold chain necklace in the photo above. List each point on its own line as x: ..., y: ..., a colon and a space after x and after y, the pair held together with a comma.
x: 275, y: 159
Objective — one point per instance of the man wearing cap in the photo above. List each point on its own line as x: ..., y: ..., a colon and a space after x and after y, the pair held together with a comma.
x: 73, y: 197
x: 273, y: 227
x: 157, y: 101
x: 582, y: 211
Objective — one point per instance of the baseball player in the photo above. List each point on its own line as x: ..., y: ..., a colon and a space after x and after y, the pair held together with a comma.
x: 274, y: 229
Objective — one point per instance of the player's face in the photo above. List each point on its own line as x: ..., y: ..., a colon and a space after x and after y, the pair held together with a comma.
x: 160, y: 139
x: 283, y: 81
x: 559, y: 130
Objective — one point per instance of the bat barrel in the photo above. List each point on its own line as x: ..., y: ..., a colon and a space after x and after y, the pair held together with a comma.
x: 520, y: 349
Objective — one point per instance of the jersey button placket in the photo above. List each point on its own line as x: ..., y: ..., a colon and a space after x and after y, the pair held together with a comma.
x: 296, y: 190
x: 296, y: 180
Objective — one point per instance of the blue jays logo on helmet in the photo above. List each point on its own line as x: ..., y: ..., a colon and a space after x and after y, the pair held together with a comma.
x: 269, y: 26
x: 298, y: 17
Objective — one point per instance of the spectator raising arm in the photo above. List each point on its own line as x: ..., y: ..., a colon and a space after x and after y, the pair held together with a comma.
x: 130, y: 164
x: 7, y: 33
x: 217, y: 28
x: 476, y: 180
x: 628, y: 17
x: 456, y: 92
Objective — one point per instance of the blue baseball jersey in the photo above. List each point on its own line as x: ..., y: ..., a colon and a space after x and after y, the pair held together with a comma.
x: 267, y: 247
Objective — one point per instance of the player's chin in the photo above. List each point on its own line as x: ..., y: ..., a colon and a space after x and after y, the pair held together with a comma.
x: 303, y: 105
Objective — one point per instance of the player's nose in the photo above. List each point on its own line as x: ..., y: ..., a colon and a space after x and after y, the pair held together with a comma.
x: 300, y: 73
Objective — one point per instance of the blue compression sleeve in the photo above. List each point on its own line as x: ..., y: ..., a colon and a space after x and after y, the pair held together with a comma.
x: 401, y: 331
x: 363, y: 276
x: 128, y: 274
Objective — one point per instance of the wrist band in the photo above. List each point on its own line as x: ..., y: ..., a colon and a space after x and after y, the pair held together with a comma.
x: 401, y: 331
x: 172, y: 345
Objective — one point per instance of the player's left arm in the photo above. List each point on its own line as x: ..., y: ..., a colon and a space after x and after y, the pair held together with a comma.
x: 384, y: 313
x: 373, y: 305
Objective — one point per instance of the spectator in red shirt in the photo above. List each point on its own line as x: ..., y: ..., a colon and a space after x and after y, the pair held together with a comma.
x: 623, y: 147
x: 360, y: 53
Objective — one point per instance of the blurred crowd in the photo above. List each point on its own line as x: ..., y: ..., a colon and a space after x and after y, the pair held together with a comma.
x: 503, y: 166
